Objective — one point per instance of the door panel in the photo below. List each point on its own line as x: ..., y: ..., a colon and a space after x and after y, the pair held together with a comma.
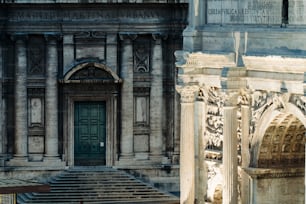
x: 89, y: 133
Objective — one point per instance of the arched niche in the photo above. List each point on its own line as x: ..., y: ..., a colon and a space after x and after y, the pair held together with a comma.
x: 279, y: 139
x: 91, y: 72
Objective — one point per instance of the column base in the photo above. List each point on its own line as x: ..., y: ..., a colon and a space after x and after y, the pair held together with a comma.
x: 126, y: 160
x: 18, y: 161
x: 47, y: 162
x: 159, y: 159
x: 141, y: 156
x: 53, y: 161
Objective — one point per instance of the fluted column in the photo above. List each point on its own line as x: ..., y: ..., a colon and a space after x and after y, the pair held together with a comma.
x: 126, y: 142
x: 199, y: 145
x: 156, y: 100
x: 230, y: 173
x: 21, y: 129
x: 51, y: 100
x: 187, y: 153
x: 245, y: 126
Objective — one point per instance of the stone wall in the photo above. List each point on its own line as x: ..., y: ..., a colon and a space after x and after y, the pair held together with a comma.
x: 279, y: 190
x: 58, y: 54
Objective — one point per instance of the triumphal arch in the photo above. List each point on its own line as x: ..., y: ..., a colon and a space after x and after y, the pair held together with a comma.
x: 241, y: 79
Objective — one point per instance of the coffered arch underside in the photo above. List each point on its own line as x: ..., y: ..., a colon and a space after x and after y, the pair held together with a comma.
x: 279, y: 136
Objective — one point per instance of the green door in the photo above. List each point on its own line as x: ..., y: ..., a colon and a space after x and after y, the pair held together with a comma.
x: 90, y: 133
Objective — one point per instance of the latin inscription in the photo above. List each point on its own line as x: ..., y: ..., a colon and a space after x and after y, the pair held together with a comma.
x: 50, y: 15
x: 246, y: 12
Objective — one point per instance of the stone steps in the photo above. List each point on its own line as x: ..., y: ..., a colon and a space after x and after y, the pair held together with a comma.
x: 104, y: 185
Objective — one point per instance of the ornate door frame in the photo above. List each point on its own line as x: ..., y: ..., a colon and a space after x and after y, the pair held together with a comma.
x: 111, y: 127
x: 90, y: 81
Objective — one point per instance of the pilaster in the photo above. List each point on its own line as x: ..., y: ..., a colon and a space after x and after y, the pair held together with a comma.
x: 126, y: 73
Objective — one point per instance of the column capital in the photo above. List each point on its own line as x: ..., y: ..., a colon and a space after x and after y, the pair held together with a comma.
x: 19, y: 37
x: 52, y: 38
x: 202, y: 94
x: 244, y: 98
x: 188, y: 93
x: 230, y: 99
x: 158, y: 37
x: 127, y: 36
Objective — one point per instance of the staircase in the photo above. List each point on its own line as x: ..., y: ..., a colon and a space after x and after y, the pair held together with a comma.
x: 97, y: 185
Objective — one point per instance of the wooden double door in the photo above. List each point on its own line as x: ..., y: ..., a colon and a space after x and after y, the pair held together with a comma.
x: 89, y: 133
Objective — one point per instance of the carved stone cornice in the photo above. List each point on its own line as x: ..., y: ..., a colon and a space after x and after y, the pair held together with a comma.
x: 211, y: 60
x: 261, y: 173
x: 275, y: 63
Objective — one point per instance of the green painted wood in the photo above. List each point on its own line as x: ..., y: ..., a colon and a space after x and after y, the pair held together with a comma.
x: 89, y: 133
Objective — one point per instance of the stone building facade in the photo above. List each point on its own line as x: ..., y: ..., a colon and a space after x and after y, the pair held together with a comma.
x: 242, y: 83
x: 89, y: 83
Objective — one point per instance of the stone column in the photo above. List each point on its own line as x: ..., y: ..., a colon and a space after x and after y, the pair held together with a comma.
x: 199, y: 146
x: 245, y: 126
x: 230, y: 173
x: 127, y: 98
x: 51, y: 109
x: 156, y: 100
x: 187, y: 160
x: 21, y: 122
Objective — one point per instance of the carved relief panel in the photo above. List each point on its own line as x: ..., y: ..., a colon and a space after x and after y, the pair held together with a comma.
x: 142, y: 47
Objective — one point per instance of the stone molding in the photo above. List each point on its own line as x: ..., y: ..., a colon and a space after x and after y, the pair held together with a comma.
x: 202, y: 60
x: 275, y: 64
x: 261, y: 173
